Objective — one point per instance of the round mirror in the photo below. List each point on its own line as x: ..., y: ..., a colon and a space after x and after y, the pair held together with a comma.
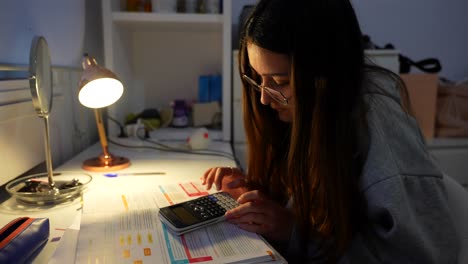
x: 41, y: 76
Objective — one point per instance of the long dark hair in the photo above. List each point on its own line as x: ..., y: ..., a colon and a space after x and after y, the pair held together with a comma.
x: 316, y: 159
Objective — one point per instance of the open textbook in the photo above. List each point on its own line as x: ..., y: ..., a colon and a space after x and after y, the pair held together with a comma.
x: 120, y: 227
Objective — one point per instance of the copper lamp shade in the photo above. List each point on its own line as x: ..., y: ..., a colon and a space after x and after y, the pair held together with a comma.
x: 98, y: 88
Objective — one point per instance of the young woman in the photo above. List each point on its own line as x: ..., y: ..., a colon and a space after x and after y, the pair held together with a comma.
x: 337, y: 168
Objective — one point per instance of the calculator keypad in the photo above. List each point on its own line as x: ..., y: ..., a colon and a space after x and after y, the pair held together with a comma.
x: 213, y: 205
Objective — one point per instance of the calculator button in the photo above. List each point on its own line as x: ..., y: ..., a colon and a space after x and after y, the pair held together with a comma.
x: 198, y: 208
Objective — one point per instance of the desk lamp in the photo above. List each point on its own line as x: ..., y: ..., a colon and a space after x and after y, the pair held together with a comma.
x: 98, y: 88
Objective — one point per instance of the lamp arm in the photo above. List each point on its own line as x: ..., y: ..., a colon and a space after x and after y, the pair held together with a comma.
x: 105, y: 161
x: 102, y: 132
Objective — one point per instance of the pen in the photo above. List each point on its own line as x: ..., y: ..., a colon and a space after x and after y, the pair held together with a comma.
x: 134, y: 173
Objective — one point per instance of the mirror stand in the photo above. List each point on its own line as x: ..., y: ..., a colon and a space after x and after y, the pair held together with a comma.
x: 50, y: 187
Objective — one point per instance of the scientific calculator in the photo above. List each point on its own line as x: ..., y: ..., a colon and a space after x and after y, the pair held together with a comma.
x: 197, y: 213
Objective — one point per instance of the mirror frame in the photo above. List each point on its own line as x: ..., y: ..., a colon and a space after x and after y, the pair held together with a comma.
x: 40, y: 81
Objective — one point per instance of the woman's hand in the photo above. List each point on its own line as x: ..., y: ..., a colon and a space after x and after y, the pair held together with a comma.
x: 256, y: 213
x: 228, y: 179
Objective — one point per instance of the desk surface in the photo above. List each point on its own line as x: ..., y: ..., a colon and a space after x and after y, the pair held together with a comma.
x: 176, y: 166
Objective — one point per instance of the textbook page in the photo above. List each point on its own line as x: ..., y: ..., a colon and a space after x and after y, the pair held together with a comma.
x: 124, y: 227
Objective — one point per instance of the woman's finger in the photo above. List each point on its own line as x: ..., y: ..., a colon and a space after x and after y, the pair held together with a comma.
x: 254, y: 195
x: 220, y: 172
x: 247, y: 208
x: 251, y: 218
x: 209, y: 177
x: 253, y: 222
x: 215, y: 176
x: 206, y: 175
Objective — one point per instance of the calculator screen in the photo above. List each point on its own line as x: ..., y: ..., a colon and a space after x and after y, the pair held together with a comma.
x: 184, y: 216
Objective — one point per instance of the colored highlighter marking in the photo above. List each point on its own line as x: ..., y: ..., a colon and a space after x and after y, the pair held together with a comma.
x: 184, y: 243
x: 191, y: 190
x: 198, y: 190
x: 170, y: 252
x: 271, y: 255
x: 189, y: 256
x: 124, y: 200
x: 147, y: 251
x: 165, y: 195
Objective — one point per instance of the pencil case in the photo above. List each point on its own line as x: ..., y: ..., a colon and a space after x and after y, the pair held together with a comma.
x: 22, y: 239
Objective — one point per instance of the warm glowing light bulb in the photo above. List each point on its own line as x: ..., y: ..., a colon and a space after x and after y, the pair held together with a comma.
x: 100, y: 92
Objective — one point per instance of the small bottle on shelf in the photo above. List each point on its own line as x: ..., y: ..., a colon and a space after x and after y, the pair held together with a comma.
x: 212, y: 6
x: 147, y: 6
x: 181, y: 6
x: 132, y: 5
x: 191, y: 6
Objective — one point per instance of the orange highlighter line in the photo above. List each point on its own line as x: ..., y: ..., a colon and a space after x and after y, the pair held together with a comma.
x: 166, y: 195
x: 124, y: 200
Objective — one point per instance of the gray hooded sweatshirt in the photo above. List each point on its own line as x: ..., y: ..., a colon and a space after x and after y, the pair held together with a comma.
x: 408, y: 218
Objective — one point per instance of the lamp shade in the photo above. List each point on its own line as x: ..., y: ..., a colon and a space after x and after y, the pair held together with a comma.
x: 98, y: 87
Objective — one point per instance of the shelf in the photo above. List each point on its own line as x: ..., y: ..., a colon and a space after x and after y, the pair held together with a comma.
x: 161, y: 56
x: 139, y: 21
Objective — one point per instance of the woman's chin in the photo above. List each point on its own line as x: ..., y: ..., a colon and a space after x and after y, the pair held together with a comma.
x: 284, y: 116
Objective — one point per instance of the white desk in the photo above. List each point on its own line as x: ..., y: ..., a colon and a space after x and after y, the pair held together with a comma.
x: 177, y: 167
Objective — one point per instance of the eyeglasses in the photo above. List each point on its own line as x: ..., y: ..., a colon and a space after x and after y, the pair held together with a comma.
x: 274, y: 94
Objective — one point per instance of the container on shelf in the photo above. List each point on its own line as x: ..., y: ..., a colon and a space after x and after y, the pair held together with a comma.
x: 133, y: 5
x: 138, y: 6
x: 212, y: 6
x: 164, y: 6
x: 191, y: 6
x: 181, y: 6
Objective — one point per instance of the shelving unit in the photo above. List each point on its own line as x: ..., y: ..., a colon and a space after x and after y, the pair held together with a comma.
x: 159, y: 57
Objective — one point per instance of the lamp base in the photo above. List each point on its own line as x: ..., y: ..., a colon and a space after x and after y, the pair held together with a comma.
x: 106, y: 163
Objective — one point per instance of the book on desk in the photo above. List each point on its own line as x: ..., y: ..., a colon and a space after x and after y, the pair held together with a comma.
x: 123, y: 227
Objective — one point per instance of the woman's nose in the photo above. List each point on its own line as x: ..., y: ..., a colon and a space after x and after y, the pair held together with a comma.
x: 265, y: 98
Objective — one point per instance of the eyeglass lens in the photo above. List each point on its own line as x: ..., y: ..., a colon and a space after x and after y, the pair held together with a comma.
x: 276, y: 95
